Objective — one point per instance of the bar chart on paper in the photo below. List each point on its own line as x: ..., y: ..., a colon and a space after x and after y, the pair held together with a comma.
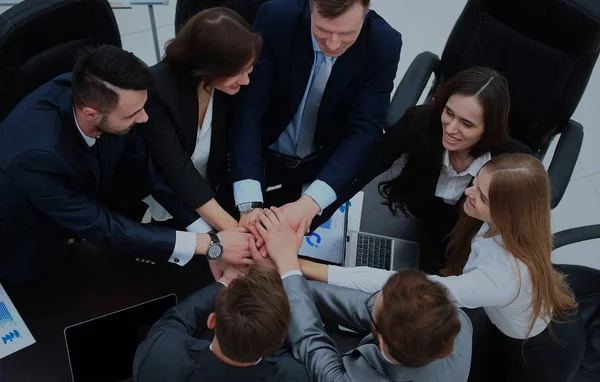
x: 14, y: 334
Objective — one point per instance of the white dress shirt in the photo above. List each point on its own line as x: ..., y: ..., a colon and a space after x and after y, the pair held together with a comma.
x: 451, y: 185
x: 200, y: 160
x: 185, y: 242
x: 492, y: 278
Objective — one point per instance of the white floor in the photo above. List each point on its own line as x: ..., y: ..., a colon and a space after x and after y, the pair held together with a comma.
x: 425, y: 25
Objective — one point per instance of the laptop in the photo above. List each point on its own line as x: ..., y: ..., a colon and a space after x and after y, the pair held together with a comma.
x: 102, y: 349
x: 376, y: 251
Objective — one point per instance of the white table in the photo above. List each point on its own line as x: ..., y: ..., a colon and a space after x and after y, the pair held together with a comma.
x: 126, y: 4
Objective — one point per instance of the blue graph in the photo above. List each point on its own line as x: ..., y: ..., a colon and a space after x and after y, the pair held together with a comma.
x: 5, y: 317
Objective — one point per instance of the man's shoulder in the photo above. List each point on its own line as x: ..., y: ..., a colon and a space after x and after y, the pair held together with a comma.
x: 282, y: 13
x: 287, y: 368
x: 383, y: 35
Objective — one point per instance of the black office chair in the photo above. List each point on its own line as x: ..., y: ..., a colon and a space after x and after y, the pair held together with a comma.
x: 585, y: 283
x: 39, y: 40
x: 185, y: 9
x: 546, y: 49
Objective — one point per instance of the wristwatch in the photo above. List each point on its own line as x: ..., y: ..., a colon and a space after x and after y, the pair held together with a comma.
x: 215, y: 249
x: 249, y: 206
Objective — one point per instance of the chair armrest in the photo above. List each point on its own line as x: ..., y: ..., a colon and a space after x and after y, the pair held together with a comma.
x: 564, y: 160
x: 411, y: 86
x: 576, y: 235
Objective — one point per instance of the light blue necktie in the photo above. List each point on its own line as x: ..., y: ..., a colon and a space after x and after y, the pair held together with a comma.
x: 309, y: 117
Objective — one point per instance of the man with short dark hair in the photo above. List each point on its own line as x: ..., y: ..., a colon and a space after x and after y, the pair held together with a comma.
x: 60, y: 149
x: 417, y: 334
x: 315, y: 105
x: 250, y: 317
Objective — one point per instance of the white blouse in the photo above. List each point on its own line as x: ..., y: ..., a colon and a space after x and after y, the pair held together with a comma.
x: 199, y: 159
x: 451, y: 185
x: 490, y: 280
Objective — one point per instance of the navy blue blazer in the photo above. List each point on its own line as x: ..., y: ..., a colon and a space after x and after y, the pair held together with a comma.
x: 351, y: 116
x: 52, y: 186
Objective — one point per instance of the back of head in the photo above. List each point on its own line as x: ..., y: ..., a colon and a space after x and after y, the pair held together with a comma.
x: 252, y: 315
x: 330, y: 9
x: 215, y: 43
x: 98, y: 70
x: 418, y: 322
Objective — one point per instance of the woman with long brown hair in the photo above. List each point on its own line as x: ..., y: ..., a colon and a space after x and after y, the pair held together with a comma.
x: 499, y: 259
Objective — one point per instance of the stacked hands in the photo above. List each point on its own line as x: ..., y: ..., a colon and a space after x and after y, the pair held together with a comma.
x: 272, y: 241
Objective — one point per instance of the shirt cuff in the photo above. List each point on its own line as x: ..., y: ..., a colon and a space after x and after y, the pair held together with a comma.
x: 185, y: 246
x: 200, y: 226
x: 296, y: 272
x: 247, y: 190
x: 322, y: 193
x: 221, y: 282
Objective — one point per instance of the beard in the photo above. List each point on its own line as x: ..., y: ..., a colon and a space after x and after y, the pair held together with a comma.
x: 104, y: 127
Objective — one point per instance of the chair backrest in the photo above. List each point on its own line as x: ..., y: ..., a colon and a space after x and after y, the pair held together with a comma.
x: 39, y: 40
x: 546, y: 49
x: 185, y: 9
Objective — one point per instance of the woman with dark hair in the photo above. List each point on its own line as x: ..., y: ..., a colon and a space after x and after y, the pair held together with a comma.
x: 209, y: 59
x: 440, y: 148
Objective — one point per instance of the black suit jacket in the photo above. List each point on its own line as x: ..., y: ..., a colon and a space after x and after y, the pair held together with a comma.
x: 52, y: 185
x: 436, y: 214
x: 174, y: 352
x: 172, y: 129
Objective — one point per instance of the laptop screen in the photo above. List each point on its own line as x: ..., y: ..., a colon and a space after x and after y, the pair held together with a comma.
x: 102, y: 349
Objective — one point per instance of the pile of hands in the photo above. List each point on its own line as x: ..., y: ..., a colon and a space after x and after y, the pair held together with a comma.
x: 266, y: 237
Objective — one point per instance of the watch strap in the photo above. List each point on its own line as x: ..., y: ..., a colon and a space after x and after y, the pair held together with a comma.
x: 214, y: 238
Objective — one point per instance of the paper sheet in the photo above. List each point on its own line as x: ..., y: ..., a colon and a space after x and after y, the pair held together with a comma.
x: 327, y: 242
x: 14, y: 334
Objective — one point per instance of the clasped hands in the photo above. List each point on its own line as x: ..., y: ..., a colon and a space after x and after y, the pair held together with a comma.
x: 273, y: 239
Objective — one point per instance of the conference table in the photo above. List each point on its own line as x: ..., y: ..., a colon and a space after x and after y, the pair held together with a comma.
x: 87, y: 283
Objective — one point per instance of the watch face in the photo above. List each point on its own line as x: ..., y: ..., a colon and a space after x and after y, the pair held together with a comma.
x: 243, y: 207
x: 214, y: 252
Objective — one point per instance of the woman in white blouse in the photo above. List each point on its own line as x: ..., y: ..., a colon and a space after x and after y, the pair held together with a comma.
x: 499, y: 259
x: 437, y: 150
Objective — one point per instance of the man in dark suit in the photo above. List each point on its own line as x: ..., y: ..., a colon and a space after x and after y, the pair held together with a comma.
x: 412, y: 330
x: 60, y: 149
x: 250, y: 317
x: 315, y: 105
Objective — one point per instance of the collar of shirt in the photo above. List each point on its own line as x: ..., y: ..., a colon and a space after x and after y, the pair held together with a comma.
x: 473, y: 168
x: 89, y: 140
x: 256, y: 363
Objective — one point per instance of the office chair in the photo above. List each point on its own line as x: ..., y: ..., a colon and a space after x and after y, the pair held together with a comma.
x: 546, y: 49
x: 185, y: 9
x: 39, y: 40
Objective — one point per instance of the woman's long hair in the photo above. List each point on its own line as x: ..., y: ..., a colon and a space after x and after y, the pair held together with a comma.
x: 519, y: 199
x: 425, y: 149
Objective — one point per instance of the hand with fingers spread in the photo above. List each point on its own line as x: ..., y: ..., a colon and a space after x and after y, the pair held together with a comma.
x: 258, y: 242
x: 281, y: 240
x: 259, y: 259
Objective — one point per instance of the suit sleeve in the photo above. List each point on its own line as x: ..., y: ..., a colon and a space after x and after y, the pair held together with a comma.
x: 310, y: 344
x: 249, y: 108
x: 175, y: 163
x: 137, y: 152
x: 387, y: 151
x: 43, y: 178
x: 343, y: 306
x: 164, y: 353
x: 366, y: 122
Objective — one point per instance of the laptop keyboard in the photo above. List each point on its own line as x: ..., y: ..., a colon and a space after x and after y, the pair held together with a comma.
x: 374, y: 252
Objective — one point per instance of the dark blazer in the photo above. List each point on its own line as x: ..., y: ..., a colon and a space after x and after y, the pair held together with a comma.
x: 52, y: 185
x: 172, y: 129
x: 398, y: 140
x: 352, y: 111
x: 173, y: 351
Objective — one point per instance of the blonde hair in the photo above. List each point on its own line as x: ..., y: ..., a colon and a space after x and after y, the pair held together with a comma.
x: 519, y: 199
